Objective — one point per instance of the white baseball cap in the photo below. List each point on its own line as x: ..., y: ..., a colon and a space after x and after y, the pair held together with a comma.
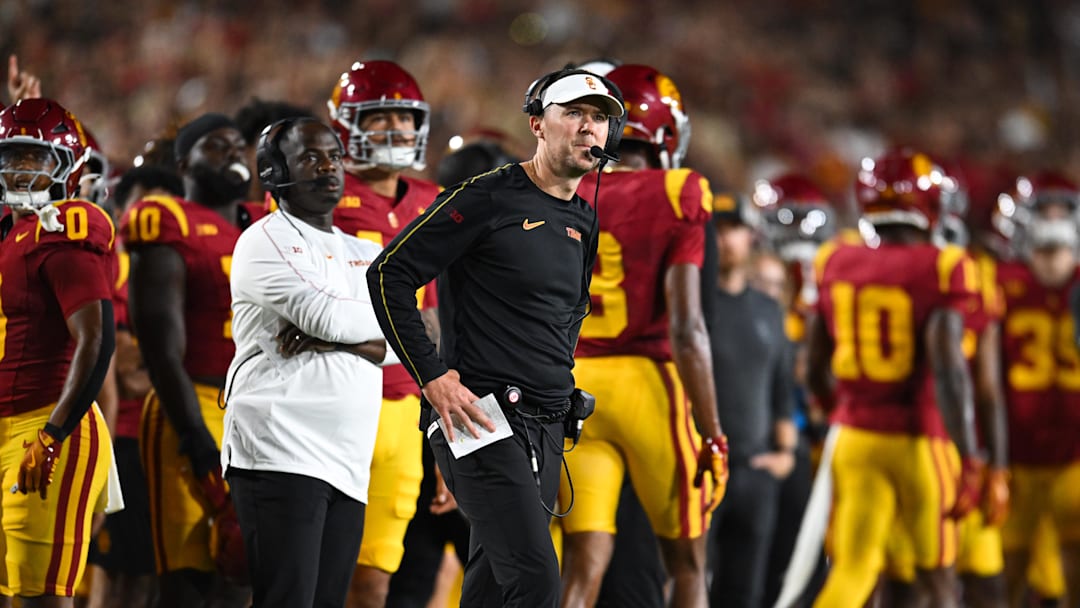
x: 579, y: 86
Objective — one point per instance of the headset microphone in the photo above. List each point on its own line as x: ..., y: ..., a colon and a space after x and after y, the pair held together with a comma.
x: 323, y: 180
x: 602, y: 154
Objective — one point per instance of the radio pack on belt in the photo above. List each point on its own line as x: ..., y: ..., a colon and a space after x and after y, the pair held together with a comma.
x: 582, y: 404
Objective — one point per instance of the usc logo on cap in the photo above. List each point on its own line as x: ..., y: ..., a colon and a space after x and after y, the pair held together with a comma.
x: 590, y: 82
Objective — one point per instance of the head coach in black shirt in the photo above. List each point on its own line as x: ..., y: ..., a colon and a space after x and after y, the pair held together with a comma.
x: 513, y: 249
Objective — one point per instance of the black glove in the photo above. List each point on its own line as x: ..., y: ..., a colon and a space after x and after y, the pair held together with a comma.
x: 199, y: 446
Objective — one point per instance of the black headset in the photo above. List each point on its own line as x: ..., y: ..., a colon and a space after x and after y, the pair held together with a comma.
x: 270, y: 162
x: 534, y: 105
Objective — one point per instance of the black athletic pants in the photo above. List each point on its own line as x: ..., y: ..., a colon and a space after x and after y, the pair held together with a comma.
x: 425, y: 544
x: 740, y: 538
x: 130, y: 549
x: 635, y: 577
x: 302, y: 538
x: 512, y: 560
x: 794, y: 494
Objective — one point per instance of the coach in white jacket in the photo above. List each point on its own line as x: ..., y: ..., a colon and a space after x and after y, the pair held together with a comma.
x: 305, y: 388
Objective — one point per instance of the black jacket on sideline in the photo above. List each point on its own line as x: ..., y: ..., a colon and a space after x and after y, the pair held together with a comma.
x: 514, y: 266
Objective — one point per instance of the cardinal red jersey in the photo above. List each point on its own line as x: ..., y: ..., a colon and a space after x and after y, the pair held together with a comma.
x: 991, y: 302
x: 1041, y: 367
x: 121, y: 268
x: 876, y: 303
x: 44, y: 278
x: 418, y: 195
x: 650, y: 220
x: 128, y: 411
x: 205, y: 241
x: 366, y: 214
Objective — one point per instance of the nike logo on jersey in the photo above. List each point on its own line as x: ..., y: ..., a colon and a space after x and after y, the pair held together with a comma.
x: 21, y: 236
x: 527, y: 225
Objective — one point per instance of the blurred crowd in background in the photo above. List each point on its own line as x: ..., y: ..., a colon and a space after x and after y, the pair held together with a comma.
x: 769, y: 85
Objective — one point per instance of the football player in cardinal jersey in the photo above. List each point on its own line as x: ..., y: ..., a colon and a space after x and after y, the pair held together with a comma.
x: 885, y: 355
x: 1042, y: 374
x: 380, y: 115
x: 644, y: 353
x: 56, y: 340
x: 797, y: 219
x: 180, y: 310
x: 979, y: 562
x: 128, y: 553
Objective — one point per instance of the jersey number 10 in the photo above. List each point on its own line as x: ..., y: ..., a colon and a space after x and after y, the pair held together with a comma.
x: 874, y: 333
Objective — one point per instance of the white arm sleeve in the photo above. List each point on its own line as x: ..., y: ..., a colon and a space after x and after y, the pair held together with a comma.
x: 272, y: 267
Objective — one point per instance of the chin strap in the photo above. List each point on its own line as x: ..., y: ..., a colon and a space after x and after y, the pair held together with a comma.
x: 48, y: 216
x: 40, y: 204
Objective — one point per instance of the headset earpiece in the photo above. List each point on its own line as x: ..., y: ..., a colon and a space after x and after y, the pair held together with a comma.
x: 269, y: 161
x: 533, y: 105
x: 616, y: 124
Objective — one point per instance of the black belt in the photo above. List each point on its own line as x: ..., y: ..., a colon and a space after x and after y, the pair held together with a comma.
x: 511, y: 399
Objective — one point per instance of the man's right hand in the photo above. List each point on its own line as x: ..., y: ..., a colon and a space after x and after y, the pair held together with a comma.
x: 201, y: 449
x: 995, y: 499
x: 969, y: 487
x: 214, y: 492
x: 713, y: 460
x: 36, y: 469
x: 452, y: 400
x: 443, y: 501
x: 21, y: 84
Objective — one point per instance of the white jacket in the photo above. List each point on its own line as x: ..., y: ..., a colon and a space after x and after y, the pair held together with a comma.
x: 315, y: 414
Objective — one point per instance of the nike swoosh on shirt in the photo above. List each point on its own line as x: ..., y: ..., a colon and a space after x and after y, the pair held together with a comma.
x: 21, y: 236
x: 527, y: 225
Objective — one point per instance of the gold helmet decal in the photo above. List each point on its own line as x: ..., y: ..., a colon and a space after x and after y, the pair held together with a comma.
x: 667, y: 91
x: 921, y: 165
x: 335, y: 96
x: 79, y: 128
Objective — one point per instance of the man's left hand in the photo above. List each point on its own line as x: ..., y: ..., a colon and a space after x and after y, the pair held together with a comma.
x: 292, y: 342
x: 713, y: 458
x: 778, y: 464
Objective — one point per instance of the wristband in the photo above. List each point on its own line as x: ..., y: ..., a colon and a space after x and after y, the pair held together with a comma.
x: 55, y: 431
